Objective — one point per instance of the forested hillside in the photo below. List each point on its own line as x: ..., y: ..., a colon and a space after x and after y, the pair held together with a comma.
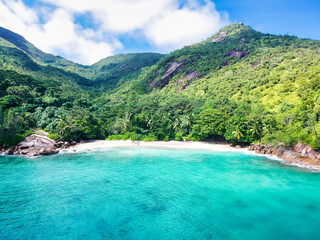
x: 239, y: 85
x: 14, y: 40
x: 39, y: 90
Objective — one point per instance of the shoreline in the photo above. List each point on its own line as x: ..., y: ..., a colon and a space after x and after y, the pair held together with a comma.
x: 112, y: 144
x: 302, y: 156
x: 94, y: 145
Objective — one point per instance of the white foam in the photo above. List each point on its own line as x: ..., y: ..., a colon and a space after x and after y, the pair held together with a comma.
x: 104, y: 145
x: 276, y: 158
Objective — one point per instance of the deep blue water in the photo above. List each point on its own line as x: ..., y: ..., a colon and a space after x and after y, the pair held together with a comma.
x: 157, y: 194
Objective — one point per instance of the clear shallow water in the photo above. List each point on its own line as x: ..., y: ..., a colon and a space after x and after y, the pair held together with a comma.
x: 157, y: 194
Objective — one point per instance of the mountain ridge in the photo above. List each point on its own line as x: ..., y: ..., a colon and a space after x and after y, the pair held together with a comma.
x: 33, y: 61
x: 43, y: 57
x: 40, y: 56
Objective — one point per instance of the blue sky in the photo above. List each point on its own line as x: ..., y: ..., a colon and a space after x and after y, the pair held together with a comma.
x: 296, y: 17
x: 87, y: 30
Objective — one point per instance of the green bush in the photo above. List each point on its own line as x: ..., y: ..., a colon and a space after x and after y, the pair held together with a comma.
x: 29, y: 132
x: 115, y: 137
x: 53, y: 136
x: 149, y: 138
x: 12, y: 141
x: 127, y: 136
x: 179, y: 136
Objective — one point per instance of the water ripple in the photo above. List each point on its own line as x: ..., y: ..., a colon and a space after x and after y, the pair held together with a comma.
x: 157, y: 194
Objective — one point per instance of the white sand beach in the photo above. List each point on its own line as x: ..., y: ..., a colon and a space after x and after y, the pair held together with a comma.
x: 108, y: 144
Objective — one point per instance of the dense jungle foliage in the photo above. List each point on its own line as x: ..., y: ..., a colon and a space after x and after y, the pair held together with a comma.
x: 239, y: 85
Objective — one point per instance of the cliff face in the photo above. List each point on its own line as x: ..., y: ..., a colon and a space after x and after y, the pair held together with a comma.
x: 301, y: 155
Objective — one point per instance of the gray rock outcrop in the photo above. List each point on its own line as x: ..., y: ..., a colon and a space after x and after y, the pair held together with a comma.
x: 36, y: 145
x: 8, y: 152
x: 302, y: 154
x: 237, y: 54
x: 221, y: 37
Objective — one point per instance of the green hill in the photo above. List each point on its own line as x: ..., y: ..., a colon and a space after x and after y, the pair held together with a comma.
x: 109, y: 73
x: 239, y: 85
x: 42, y: 90
x: 17, y: 54
x: 35, y: 53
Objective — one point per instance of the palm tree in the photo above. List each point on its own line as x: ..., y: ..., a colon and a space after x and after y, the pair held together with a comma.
x: 254, y: 130
x: 177, y: 124
x: 237, y: 133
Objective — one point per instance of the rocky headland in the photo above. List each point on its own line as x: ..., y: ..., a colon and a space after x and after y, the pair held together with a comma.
x: 301, y: 155
x: 36, y: 145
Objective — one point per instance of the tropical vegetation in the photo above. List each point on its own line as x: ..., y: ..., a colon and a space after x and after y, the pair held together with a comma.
x: 239, y: 85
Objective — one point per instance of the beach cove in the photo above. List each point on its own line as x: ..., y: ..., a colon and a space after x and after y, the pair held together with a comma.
x: 287, y: 158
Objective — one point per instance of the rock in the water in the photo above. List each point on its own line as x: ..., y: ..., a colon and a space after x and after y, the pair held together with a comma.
x: 9, y: 152
x: 48, y: 151
x: 73, y: 143
x: 59, y: 144
x: 251, y: 148
x: 269, y: 151
x: 306, y: 151
x: 36, y: 145
x: 302, y: 154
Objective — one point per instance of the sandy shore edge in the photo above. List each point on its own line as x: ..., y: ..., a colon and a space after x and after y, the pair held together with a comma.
x: 109, y: 144
x: 101, y: 145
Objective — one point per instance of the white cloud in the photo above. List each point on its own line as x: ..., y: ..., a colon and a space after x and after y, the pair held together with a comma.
x: 166, y: 24
x: 26, y: 14
x: 59, y: 35
x: 15, y: 15
x: 118, y: 16
x: 185, y: 26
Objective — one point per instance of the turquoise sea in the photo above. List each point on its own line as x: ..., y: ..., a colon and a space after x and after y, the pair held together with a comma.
x: 157, y: 194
